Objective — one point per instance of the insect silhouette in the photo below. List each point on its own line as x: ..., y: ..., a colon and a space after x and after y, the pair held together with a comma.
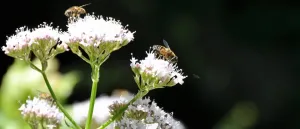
x: 74, y: 12
x: 165, y: 52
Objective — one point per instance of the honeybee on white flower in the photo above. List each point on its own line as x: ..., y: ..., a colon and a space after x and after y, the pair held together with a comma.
x: 165, y: 52
x: 75, y: 11
x: 45, y: 96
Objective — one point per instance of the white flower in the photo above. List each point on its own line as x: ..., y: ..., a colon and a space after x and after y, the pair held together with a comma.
x: 154, y: 72
x: 92, y: 30
x: 45, y: 31
x: 155, y: 117
x: 49, y: 34
x: 18, y: 44
x: 97, y: 36
x: 42, y: 41
x: 37, y: 109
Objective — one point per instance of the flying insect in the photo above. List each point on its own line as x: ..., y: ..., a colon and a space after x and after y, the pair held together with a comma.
x: 74, y: 12
x: 165, y: 52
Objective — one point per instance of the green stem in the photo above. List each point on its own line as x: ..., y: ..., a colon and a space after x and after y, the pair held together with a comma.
x: 82, y: 57
x: 34, y: 67
x: 139, y: 95
x: 33, y: 126
x: 53, y: 95
x: 95, y: 79
x: 56, y: 101
x: 42, y: 124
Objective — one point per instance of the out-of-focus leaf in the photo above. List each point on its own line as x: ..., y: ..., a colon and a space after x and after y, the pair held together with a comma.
x: 22, y: 81
x: 242, y: 116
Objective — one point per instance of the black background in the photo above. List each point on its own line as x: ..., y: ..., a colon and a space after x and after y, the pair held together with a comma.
x: 241, y: 50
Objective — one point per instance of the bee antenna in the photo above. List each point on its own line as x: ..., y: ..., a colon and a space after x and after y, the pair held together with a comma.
x: 85, y: 5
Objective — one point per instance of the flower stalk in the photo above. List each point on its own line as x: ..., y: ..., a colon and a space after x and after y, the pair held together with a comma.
x: 140, y: 94
x: 97, y: 37
x: 53, y: 94
x: 95, y: 80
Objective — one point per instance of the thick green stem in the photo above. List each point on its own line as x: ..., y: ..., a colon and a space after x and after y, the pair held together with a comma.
x: 95, y: 79
x: 139, y: 95
x: 42, y: 124
x: 56, y: 101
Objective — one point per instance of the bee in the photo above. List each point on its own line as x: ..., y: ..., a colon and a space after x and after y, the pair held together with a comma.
x: 120, y: 92
x: 75, y: 11
x: 165, y: 52
x: 46, y: 96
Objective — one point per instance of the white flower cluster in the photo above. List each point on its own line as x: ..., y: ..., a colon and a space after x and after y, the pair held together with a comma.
x: 92, y: 30
x: 39, y: 40
x: 153, y: 118
x: 94, y: 34
x: 18, y: 42
x: 41, y: 109
x: 45, y: 31
x: 156, y: 72
x: 97, y: 37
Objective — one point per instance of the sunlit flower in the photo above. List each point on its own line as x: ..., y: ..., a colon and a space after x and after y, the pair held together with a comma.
x: 153, y: 72
x: 18, y: 45
x: 45, y: 41
x: 144, y: 114
x: 42, y: 111
x: 42, y: 41
x: 96, y: 36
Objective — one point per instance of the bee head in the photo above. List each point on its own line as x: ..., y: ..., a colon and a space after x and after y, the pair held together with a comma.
x: 68, y: 13
x: 155, y: 47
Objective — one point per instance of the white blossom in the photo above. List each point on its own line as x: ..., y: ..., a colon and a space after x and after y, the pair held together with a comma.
x: 156, y: 72
x: 18, y: 44
x: 156, y: 118
x: 41, y: 41
x: 96, y: 36
x: 49, y: 34
x: 93, y: 30
x: 37, y: 109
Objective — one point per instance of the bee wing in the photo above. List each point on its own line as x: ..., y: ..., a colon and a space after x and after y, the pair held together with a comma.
x: 166, y: 43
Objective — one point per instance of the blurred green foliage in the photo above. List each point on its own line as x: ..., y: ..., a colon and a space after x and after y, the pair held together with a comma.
x: 242, y: 116
x: 21, y: 81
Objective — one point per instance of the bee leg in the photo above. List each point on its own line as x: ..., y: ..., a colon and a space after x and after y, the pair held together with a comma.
x: 162, y: 57
x: 172, y: 58
x: 70, y: 19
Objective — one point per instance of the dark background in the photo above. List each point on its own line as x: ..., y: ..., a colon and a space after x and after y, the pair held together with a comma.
x: 242, y: 50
